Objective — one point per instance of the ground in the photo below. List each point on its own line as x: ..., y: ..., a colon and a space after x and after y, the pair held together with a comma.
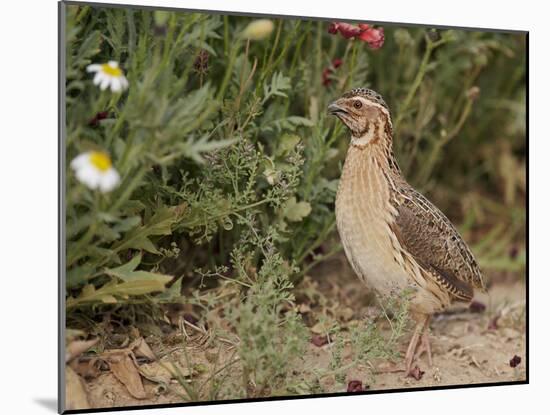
x: 471, y: 344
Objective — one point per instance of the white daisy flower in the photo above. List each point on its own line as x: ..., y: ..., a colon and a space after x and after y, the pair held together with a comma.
x: 95, y: 170
x: 108, y: 74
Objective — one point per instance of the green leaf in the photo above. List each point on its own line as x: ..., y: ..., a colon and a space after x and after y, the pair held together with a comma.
x: 139, y: 287
x: 146, y: 245
x: 140, y: 276
x: 128, y: 267
x: 126, y: 224
x: 287, y: 143
x: 79, y: 275
x: 159, y: 224
x: 110, y: 291
x: 171, y: 294
x: 88, y: 48
x: 287, y: 123
x: 202, y: 145
x: 133, y: 206
x: 279, y: 83
x: 295, y: 211
x: 98, y: 252
x: 127, y: 272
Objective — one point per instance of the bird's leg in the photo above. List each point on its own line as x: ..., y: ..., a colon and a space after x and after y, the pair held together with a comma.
x: 420, y: 333
x: 418, y: 329
x: 425, y: 346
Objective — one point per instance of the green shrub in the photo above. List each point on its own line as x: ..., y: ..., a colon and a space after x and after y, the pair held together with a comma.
x: 271, y: 339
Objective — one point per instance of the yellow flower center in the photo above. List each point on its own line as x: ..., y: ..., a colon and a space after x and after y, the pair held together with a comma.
x: 111, y: 70
x: 100, y: 160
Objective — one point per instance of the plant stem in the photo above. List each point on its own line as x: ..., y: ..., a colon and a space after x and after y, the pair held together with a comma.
x: 422, y: 69
x: 429, y: 164
x: 226, y: 35
x: 318, y: 241
x: 74, y: 253
x: 228, y: 71
x: 273, y: 49
x: 349, y: 77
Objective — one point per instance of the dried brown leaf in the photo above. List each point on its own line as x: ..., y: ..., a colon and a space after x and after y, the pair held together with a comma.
x: 126, y: 371
x: 416, y: 373
x: 176, y: 370
x: 345, y: 313
x: 77, y: 347
x: 304, y: 308
x: 156, y: 372
x: 75, y: 393
x: 142, y: 349
x: 356, y: 386
x: 319, y: 339
x: 88, y: 368
x: 514, y: 361
x: 321, y: 327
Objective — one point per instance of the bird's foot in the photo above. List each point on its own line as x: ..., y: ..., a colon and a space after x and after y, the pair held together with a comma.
x: 410, y: 372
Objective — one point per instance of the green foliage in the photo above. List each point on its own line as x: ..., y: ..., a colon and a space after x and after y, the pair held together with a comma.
x: 271, y: 339
x: 362, y: 343
x: 367, y: 341
x: 229, y: 163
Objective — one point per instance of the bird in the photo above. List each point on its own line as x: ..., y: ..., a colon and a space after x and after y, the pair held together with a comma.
x: 394, y: 238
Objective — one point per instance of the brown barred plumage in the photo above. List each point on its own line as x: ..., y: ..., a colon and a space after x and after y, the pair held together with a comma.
x: 395, y: 238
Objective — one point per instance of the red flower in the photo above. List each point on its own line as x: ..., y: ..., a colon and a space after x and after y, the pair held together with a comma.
x: 347, y: 30
x: 374, y: 37
x: 364, y: 32
x: 336, y: 63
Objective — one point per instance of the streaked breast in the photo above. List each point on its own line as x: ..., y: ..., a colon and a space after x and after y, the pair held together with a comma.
x: 363, y: 215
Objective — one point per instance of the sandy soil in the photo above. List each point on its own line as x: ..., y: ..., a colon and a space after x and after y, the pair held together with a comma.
x: 469, y: 347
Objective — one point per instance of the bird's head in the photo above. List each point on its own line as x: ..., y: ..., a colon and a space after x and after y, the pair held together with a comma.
x: 364, y: 112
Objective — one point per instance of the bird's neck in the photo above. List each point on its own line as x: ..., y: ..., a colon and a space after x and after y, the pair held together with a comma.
x: 376, y: 145
x: 372, y: 134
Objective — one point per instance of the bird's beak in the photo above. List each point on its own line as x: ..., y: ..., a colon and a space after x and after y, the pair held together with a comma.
x: 335, y: 109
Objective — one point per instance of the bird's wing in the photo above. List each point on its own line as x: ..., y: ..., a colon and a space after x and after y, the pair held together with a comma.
x: 426, y: 233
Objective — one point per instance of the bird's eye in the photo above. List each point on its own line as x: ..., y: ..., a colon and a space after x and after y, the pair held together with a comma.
x: 357, y: 104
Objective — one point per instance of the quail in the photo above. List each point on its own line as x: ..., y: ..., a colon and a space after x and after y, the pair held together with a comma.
x: 394, y: 238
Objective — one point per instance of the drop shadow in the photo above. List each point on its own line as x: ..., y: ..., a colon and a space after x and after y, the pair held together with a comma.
x: 48, y: 403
